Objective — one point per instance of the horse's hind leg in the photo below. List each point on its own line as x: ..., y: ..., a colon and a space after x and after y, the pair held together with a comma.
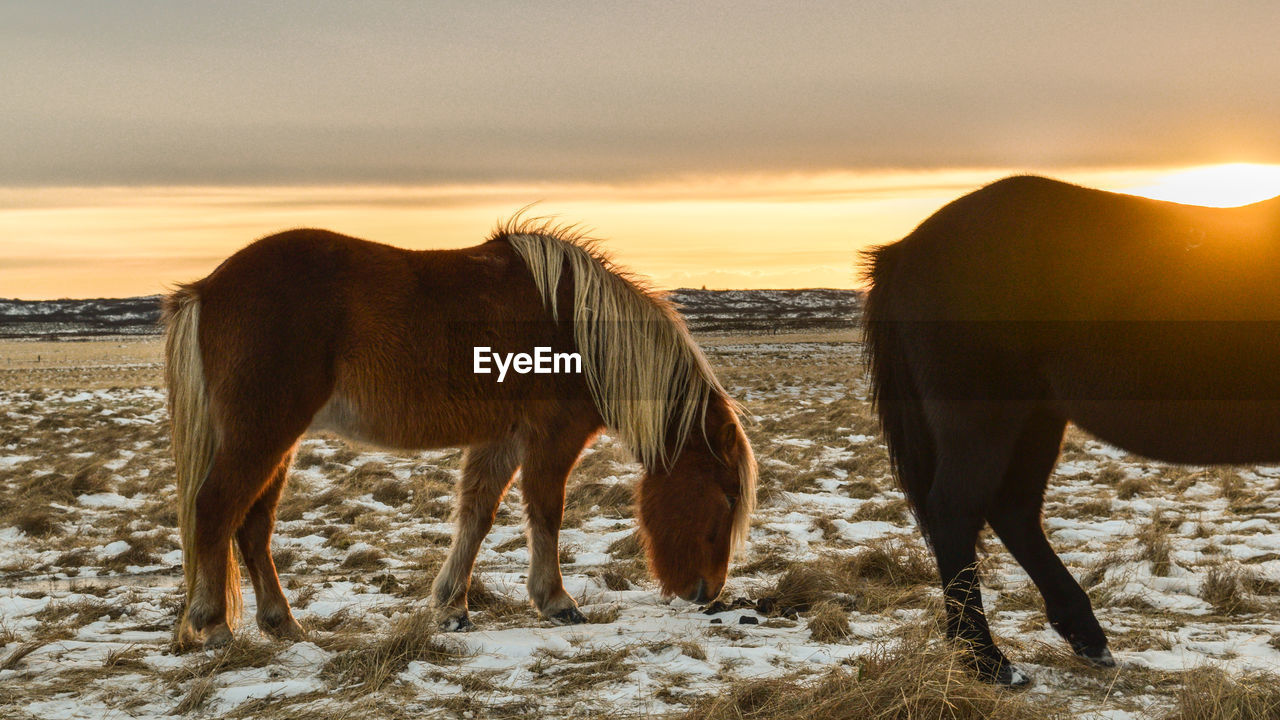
x: 240, y: 472
x: 486, y: 475
x: 254, y: 538
x: 1017, y: 522
x: 974, y: 442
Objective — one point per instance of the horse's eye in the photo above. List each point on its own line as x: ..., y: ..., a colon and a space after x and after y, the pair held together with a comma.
x: 733, y: 501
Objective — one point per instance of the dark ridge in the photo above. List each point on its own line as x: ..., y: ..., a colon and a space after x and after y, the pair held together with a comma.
x: 769, y: 311
x: 727, y: 311
x: 52, y: 319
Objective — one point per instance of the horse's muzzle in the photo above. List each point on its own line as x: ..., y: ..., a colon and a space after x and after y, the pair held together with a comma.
x: 700, y: 593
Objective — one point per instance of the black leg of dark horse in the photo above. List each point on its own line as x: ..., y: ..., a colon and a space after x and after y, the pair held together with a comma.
x: 1016, y: 519
x: 973, y: 452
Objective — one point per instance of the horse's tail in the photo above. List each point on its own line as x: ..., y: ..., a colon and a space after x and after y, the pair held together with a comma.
x: 893, y: 391
x: 194, y: 437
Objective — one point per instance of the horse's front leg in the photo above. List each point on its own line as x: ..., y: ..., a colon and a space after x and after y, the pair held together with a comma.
x: 542, y: 484
x: 486, y: 475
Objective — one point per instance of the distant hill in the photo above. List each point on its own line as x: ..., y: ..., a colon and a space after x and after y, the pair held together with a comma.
x: 78, y: 318
x: 765, y: 311
x: 769, y: 310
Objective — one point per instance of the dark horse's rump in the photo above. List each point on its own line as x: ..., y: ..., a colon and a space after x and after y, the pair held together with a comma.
x: 1029, y: 303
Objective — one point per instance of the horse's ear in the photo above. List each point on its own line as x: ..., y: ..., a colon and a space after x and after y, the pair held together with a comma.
x: 729, y: 440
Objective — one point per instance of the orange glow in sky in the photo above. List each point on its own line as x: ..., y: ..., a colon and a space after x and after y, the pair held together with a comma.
x: 722, y: 232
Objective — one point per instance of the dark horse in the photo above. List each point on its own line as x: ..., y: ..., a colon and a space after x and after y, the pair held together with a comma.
x: 1030, y: 303
x: 311, y: 329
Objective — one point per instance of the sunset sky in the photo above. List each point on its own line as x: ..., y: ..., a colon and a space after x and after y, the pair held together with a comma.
x: 727, y: 144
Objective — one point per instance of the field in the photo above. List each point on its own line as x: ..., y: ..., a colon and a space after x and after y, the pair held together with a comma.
x: 830, y: 612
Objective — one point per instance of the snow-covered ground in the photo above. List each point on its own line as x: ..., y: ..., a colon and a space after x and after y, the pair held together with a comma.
x: 1183, y: 565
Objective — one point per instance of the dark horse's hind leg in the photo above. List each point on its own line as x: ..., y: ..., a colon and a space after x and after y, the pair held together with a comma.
x: 254, y: 538
x: 1016, y: 519
x: 974, y: 443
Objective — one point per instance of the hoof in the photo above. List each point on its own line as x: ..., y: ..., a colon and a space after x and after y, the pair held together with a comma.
x: 288, y: 629
x: 1098, y: 658
x: 569, y: 616
x: 217, y: 637
x: 457, y: 623
x: 1010, y: 676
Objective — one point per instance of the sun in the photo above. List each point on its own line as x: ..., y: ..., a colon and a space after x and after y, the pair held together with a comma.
x: 1225, y: 185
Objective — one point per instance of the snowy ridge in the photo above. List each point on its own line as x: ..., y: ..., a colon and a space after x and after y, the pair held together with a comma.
x: 704, y: 310
x: 61, y: 318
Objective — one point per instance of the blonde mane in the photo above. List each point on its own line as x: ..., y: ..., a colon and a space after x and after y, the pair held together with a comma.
x: 644, y: 370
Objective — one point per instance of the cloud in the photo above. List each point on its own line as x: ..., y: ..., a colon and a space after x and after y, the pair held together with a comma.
x: 326, y: 92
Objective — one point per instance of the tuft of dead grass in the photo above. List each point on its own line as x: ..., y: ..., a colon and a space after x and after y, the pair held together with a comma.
x: 1156, y: 547
x: 1131, y: 487
x: 366, y: 559
x: 914, y: 678
x: 374, y: 664
x: 1227, y: 589
x: 1109, y: 474
x: 13, y: 658
x: 893, y: 511
x: 627, y: 547
x: 1211, y: 694
x: 829, y: 622
x: 572, y: 674
x: 586, y: 500
x: 878, y: 577
x: 483, y: 598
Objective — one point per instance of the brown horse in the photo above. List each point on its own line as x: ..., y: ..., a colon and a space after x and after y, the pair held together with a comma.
x: 311, y: 329
x: 1153, y: 325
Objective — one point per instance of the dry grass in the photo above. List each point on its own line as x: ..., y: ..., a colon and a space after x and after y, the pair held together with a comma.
x: 366, y: 559
x: 371, y: 665
x: 1227, y: 589
x: 1095, y: 507
x: 768, y: 561
x: 573, y: 674
x: 1109, y: 474
x: 587, y: 499
x: 1130, y: 487
x: 889, y: 511
x: 15, y: 657
x: 874, y: 578
x: 829, y: 622
x: 627, y: 547
x: 804, y: 585
x: 1211, y: 694
x: 497, y: 606
x: 1156, y: 546
x: 620, y: 576
x: 915, y: 678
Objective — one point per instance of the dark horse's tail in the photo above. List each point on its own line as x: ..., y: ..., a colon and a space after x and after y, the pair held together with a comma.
x: 893, y: 391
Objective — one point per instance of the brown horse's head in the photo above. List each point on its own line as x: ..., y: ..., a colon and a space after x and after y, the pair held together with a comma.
x: 694, y: 511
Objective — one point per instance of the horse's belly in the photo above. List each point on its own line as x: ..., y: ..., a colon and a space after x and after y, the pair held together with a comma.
x: 1190, y: 432
x: 389, y: 424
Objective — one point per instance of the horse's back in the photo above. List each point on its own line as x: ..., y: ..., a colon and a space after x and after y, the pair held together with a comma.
x: 1033, y: 249
x: 372, y: 340
x: 1155, y: 325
